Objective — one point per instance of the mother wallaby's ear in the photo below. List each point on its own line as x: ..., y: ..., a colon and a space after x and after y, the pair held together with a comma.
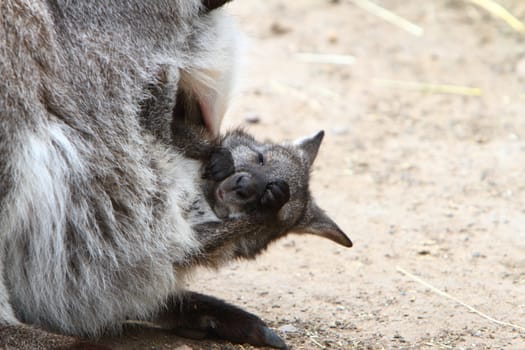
x: 211, y: 5
x: 310, y: 146
x: 316, y: 222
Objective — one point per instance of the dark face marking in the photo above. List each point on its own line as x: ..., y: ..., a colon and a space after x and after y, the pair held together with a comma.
x: 260, y: 180
x: 211, y: 5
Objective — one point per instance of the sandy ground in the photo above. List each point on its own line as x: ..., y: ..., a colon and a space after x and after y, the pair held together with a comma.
x: 425, y: 182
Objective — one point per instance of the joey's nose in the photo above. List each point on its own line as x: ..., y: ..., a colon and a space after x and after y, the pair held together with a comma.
x: 241, y: 188
x: 245, y: 187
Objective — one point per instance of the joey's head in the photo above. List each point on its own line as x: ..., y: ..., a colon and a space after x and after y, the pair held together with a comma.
x: 269, y: 187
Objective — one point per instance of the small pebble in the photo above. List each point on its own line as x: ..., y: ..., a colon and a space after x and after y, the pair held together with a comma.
x: 288, y: 328
x: 252, y: 119
x: 279, y: 29
x: 478, y: 255
x: 332, y: 38
x: 340, y: 130
x: 183, y: 347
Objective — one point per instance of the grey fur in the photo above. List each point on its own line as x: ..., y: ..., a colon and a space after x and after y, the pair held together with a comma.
x: 101, y: 214
x: 90, y: 199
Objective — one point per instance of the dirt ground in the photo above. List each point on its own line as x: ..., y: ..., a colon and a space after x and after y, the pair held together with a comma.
x: 424, y: 181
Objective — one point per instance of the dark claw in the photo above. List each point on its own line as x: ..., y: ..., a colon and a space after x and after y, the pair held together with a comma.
x: 220, y: 165
x: 273, y: 340
x: 276, y: 195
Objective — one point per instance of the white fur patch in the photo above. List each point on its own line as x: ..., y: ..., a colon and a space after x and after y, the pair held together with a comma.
x: 6, y: 313
x: 40, y: 171
x: 212, y: 77
x: 182, y: 173
x: 37, y: 207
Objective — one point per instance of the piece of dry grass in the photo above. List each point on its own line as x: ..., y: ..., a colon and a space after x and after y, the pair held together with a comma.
x: 448, y: 296
x: 502, y: 13
x: 312, y: 337
x: 429, y: 88
x: 389, y: 16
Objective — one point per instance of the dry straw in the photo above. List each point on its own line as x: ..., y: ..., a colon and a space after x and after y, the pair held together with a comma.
x: 389, y: 16
x: 502, y: 13
x: 448, y: 296
x: 429, y: 88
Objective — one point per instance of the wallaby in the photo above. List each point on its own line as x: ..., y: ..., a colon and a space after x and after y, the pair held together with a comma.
x: 258, y: 192
x: 103, y: 210
x: 252, y: 193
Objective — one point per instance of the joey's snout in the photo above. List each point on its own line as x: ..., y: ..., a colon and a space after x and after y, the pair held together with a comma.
x: 244, y: 191
x: 240, y: 189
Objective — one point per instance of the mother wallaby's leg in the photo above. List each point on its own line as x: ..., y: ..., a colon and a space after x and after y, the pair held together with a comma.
x: 198, y: 316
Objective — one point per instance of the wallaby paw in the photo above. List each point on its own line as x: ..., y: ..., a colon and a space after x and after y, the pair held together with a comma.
x: 220, y: 165
x: 245, y: 328
x: 271, y: 339
x: 275, y: 195
x: 258, y: 335
x: 199, y: 316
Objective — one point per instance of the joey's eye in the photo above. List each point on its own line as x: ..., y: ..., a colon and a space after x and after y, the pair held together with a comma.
x: 260, y: 158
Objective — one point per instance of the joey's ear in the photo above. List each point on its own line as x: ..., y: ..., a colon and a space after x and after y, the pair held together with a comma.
x: 316, y: 222
x: 310, y: 146
x: 211, y: 5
